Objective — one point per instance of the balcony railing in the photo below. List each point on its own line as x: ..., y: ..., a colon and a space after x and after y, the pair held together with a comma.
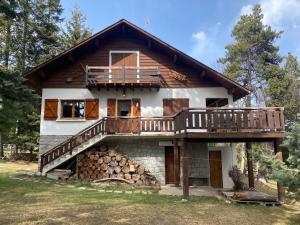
x: 220, y: 120
x: 122, y: 76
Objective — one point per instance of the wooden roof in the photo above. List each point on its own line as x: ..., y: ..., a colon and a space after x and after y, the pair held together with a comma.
x: 34, y: 75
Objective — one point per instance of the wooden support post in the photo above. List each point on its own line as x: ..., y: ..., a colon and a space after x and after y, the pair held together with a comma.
x: 280, y: 188
x: 250, y: 166
x: 176, y: 164
x: 185, y: 168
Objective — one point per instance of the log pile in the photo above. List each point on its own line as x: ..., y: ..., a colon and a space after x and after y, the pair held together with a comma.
x: 99, y: 163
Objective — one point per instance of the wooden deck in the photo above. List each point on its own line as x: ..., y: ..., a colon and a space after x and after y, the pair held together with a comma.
x: 206, y: 124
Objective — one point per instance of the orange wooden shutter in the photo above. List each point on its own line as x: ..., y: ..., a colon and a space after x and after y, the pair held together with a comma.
x: 136, y: 107
x: 50, y: 111
x: 91, y: 109
x: 111, y: 107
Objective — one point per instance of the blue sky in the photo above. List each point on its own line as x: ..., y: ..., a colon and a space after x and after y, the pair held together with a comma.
x: 199, y: 28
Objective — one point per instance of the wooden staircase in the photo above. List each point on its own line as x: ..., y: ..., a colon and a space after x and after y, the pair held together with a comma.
x: 73, y: 146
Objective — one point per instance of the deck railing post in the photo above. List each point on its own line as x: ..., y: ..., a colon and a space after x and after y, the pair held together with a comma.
x: 123, y: 71
x: 86, y: 74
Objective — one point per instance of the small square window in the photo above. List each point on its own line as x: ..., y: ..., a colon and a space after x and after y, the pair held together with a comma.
x: 72, y: 109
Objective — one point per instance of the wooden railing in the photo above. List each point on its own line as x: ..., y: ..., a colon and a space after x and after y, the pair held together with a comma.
x: 230, y: 119
x: 215, y: 120
x: 76, y: 140
x: 104, y: 75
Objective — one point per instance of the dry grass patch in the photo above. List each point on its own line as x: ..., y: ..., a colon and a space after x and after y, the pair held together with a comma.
x: 25, y: 202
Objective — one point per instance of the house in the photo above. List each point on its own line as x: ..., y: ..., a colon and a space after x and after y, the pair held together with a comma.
x: 164, y: 109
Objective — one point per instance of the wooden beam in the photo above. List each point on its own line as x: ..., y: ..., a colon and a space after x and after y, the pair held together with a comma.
x: 149, y: 44
x: 175, y: 58
x: 97, y: 43
x: 176, y: 163
x: 231, y: 91
x: 250, y: 165
x: 203, y: 74
x: 185, y: 169
x: 42, y: 74
x: 280, y: 189
x: 70, y: 58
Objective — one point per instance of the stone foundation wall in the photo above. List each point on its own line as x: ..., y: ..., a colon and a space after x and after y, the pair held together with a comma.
x: 49, y: 141
x: 199, y: 163
x: 146, y: 152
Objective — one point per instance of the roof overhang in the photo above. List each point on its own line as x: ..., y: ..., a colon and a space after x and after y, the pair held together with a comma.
x: 34, y: 75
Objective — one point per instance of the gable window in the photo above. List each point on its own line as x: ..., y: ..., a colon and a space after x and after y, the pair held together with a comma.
x: 72, y: 109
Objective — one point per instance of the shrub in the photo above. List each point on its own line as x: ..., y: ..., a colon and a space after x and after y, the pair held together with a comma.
x: 236, y: 177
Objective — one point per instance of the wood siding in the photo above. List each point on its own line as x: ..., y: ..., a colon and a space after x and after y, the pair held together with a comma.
x: 148, y: 57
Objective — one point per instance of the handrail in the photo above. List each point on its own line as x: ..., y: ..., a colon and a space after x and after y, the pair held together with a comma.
x: 207, y: 119
x: 138, y: 75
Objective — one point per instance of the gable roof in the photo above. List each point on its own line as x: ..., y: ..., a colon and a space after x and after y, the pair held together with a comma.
x: 236, y: 89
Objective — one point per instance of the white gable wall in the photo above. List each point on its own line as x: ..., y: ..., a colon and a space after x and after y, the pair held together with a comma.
x: 151, y: 103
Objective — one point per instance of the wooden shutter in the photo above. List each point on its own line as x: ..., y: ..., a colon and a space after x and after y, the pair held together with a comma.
x: 50, y: 110
x: 111, y: 107
x: 171, y: 106
x: 136, y: 107
x: 91, y: 109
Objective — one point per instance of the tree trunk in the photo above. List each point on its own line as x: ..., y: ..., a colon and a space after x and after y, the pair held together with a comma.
x: 248, y: 148
x: 1, y: 146
x: 250, y: 166
x: 280, y: 188
x: 7, y: 45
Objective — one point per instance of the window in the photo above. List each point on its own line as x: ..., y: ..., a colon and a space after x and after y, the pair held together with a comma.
x: 216, y: 102
x: 72, y: 109
x: 124, y: 107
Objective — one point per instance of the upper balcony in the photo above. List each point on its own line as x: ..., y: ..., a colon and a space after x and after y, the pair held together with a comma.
x: 122, y: 76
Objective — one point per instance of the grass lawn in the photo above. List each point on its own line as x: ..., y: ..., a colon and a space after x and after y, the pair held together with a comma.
x: 35, y: 200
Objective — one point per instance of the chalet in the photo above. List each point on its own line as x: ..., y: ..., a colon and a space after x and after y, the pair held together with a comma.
x: 168, y: 113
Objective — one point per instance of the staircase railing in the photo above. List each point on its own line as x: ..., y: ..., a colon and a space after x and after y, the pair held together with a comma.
x: 68, y: 145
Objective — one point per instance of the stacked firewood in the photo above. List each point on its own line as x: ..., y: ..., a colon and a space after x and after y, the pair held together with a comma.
x: 101, y: 163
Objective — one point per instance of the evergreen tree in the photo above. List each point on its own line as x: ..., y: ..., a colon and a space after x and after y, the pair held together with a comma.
x: 47, y: 16
x: 18, y: 100
x: 32, y: 37
x: 76, y: 30
x: 251, y: 61
x: 253, y: 58
x: 7, y: 16
x: 282, y: 90
x: 286, y: 173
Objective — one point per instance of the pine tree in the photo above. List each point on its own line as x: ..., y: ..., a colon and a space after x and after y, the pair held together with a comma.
x: 76, y: 30
x: 282, y: 90
x: 253, y: 58
x: 47, y: 16
x: 7, y: 16
x: 32, y: 37
x: 287, y: 173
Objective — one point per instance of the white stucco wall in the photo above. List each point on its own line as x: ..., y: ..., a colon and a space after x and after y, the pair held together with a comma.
x: 229, y: 158
x: 151, y: 103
